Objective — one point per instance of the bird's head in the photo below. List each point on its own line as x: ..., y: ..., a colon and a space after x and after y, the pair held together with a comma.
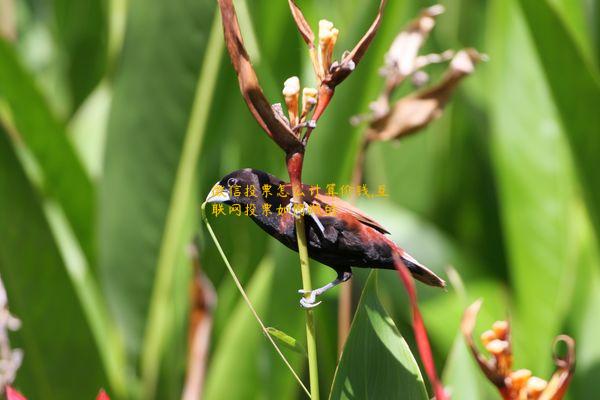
x: 239, y: 187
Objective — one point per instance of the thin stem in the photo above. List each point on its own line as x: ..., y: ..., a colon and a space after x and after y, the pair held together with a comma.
x: 344, y: 315
x: 294, y: 164
x: 311, y: 343
x: 250, y: 306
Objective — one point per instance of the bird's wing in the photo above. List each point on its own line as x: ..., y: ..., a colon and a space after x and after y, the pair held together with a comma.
x: 342, y: 206
x: 338, y: 205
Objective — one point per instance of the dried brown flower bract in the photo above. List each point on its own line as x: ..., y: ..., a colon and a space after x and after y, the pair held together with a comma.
x: 269, y: 120
x: 414, y: 112
x: 302, y: 24
x: 520, y: 384
x: 332, y: 73
x: 467, y: 327
x: 341, y: 70
x: 401, y: 58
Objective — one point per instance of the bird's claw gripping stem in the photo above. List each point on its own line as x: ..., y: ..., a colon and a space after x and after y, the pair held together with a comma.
x: 298, y: 212
x: 311, y: 300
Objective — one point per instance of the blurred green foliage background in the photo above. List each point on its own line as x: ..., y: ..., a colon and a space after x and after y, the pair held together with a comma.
x: 118, y: 116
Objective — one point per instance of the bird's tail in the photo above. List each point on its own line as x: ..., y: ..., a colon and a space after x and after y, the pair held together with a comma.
x: 405, y: 264
x: 419, y: 271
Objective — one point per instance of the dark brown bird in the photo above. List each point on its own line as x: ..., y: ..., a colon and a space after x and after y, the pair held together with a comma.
x: 339, y: 234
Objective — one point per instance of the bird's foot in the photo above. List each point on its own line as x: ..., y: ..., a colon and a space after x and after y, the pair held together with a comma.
x: 311, y: 300
x: 300, y: 210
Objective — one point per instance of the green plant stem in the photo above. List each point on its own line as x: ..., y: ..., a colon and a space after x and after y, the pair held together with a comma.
x: 249, y: 303
x: 311, y: 343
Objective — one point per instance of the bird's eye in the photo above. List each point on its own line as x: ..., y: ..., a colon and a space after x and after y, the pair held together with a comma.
x: 232, y: 182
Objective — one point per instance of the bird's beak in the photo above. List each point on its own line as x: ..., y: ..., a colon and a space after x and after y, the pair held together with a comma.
x: 218, y: 194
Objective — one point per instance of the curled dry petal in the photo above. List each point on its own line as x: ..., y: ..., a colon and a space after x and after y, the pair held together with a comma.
x: 270, y: 121
x: 414, y: 112
x: 558, y: 384
x: 467, y: 326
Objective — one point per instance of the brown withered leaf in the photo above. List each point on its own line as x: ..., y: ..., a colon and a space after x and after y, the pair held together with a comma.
x: 400, y: 60
x: 414, y: 112
x: 467, y: 326
x: 341, y: 70
x: 275, y: 127
x: 302, y: 24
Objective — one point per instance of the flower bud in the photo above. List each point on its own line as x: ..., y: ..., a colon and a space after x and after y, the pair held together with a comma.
x: 327, y: 38
x: 500, y: 328
x: 309, y: 100
x: 291, y: 91
x: 487, y: 336
x: 535, y: 386
x: 497, y: 346
x: 519, y: 378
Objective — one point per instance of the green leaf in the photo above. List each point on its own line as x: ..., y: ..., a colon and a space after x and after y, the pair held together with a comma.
x: 286, y: 340
x: 61, y: 360
x: 462, y: 376
x: 574, y: 84
x: 236, y: 359
x: 153, y: 95
x: 536, y: 187
x: 82, y: 28
x: 376, y: 362
x: 64, y: 177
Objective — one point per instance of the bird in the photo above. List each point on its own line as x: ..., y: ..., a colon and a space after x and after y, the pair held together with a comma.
x: 339, y: 234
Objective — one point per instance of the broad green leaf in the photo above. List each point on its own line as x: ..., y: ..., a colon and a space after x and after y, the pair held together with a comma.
x: 181, y: 218
x: 376, y: 362
x: 45, y: 137
x: 235, y: 367
x: 82, y: 29
x: 583, y: 323
x: 462, y: 376
x: 153, y: 93
x: 588, y: 349
x: 574, y: 84
x: 536, y: 187
x: 61, y: 360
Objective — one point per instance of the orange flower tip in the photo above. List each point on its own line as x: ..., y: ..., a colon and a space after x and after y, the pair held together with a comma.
x: 520, y: 378
x: 291, y: 86
x: 500, y: 328
x: 535, y: 385
x: 487, y: 336
x: 497, y: 346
